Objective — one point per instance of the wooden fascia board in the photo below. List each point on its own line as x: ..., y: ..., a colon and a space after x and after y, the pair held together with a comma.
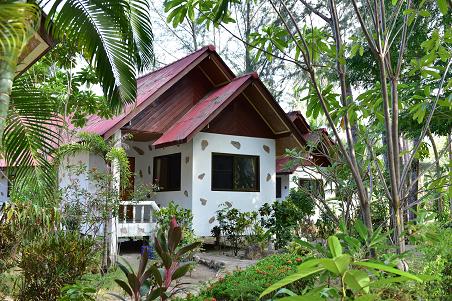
x: 154, y: 96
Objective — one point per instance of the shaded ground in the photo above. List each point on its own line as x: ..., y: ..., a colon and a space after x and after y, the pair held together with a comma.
x: 201, y: 274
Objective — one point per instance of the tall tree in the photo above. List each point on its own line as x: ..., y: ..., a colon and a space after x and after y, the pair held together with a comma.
x: 384, y: 30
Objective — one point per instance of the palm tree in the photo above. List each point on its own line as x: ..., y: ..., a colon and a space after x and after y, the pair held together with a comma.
x: 115, y: 37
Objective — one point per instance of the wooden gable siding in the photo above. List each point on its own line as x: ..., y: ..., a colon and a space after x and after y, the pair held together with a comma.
x: 241, y: 119
x: 171, y: 105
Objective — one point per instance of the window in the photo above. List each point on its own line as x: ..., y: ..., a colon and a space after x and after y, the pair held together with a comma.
x: 167, y: 172
x: 278, y: 187
x: 235, y: 172
x: 313, y: 186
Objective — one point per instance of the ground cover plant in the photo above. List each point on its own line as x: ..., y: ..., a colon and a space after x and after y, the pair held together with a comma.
x: 249, y: 283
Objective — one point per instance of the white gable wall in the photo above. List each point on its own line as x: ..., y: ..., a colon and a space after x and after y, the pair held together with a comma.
x: 3, y: 186
x: 144, y: 165
x: 204, y: 214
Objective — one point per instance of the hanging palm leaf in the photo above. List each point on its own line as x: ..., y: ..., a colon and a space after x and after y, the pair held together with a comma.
x: 114, y: 36
x: 30, y: 136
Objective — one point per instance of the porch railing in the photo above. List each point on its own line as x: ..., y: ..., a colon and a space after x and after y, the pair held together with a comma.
x: 136, y: 219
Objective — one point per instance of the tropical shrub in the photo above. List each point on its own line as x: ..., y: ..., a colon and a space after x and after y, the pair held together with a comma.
x: 77, y: 292
x: 52, y: 262
x: 184, y: 218
x: 234, y: 225
x: 286, y: 219
x: 433, y: 242
x: 351, y: 279
x: 247, y: 284
x: 9, y: 239
x: 158, y: 280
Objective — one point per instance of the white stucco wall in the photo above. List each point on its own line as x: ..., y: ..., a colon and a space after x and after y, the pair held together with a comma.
x: 67, y: 178
x: 3, y: 186
x: 144, y: 166
x: 205, y: 201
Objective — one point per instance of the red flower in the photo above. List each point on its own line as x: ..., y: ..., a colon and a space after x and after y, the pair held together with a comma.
x: 173, y: 223
x: 298, y: 259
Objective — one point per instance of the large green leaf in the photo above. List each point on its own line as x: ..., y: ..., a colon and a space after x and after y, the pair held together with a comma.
x: 382, y: 267
x: 335, y: 246
x: 291, y: 278
x: 337, y: 265
x: 357, y: 280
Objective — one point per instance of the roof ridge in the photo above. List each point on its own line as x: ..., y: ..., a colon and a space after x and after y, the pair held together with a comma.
x: 207, y: 47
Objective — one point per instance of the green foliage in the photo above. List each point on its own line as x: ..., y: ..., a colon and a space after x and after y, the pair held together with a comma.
x: 77, y: 292
x: 354, y: 280
x: 105, y: 34
x: 84, y: 209
x: 53, y: 261
x: 184, y: 218
x: 433, y: 241
x: 359, y: 242
x: 9, y: 239
x: 286, y: 218
x: 30, y: 137
x: 156, y: 282
x: 234, y: 225
x: 248, y: 284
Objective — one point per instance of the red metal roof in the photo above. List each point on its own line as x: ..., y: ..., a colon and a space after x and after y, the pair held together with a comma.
x: 286, y: 165
x: 203, y: 111
x: 147, y: 85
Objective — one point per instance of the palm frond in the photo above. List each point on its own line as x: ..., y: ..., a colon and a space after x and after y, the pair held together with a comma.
x: 115, y: 36
x: 141, y: 31
x: 31, y: 134
x: 18, y: 22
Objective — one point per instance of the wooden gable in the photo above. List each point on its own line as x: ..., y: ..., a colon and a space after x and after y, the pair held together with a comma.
x: 241, y: 119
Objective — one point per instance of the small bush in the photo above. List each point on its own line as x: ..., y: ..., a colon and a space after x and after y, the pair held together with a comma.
x: 247, y: 284
x: 50, y: 263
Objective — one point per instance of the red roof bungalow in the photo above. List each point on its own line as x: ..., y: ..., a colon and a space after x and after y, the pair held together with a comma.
x: 203, y: 135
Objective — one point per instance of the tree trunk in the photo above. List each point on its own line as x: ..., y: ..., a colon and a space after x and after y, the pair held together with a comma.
x: 248, y: 59
x: 7, y: 73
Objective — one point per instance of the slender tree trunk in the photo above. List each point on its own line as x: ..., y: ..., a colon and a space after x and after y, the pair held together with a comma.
x: 395, y: 200
x: 346, y: 97
x: 247, y: 32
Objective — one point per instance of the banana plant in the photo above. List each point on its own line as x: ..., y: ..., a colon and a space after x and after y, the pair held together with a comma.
x: 355, y: 278
x: 157, y: 282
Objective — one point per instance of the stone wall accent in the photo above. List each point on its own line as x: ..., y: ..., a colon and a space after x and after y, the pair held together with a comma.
x: 201, y: 176
x: 212, y: 219
x: 204, y: 144
x: 266, y: 148
x: 236, y: 144
x: 203, y: 201
x: 269, y: 177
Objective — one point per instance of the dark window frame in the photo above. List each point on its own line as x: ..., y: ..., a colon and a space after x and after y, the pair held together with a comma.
x: 278, y: 185
x: 234, y: 156
x: 320, y: 193
x: 154, y: 171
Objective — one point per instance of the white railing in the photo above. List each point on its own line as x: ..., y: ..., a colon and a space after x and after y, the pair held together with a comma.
x: 136, y: 219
